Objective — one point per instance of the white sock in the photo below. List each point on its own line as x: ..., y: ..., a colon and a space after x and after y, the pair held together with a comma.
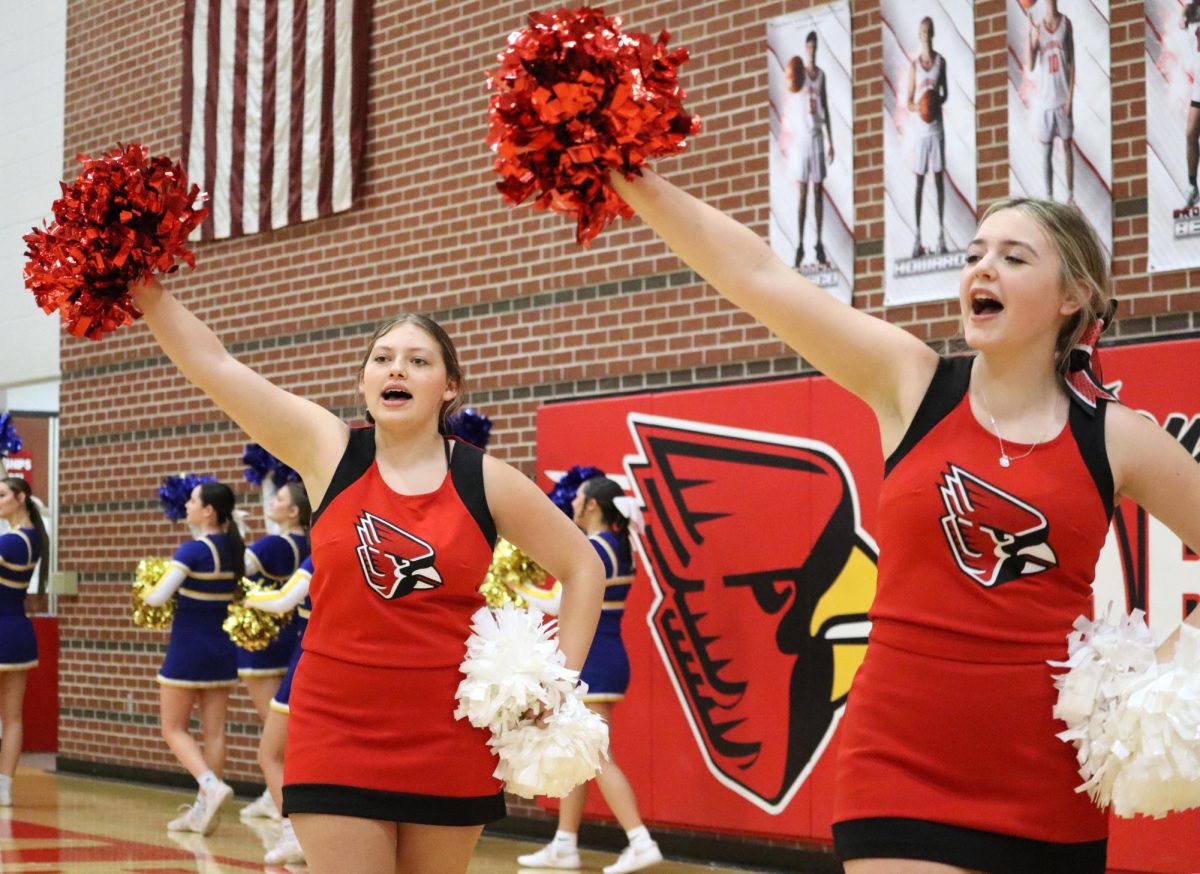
x: 566, y: 840
x: 286, y: 832
x: 639, y: 837
x: 208, y: 781
x: 5, y: 781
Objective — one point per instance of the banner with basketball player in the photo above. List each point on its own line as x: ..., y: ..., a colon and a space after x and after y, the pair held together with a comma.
x: 755, y: 567
x: 812, y: 144
x: 929, y: 152
x: 1173, y: 134
x: 1060, y: 105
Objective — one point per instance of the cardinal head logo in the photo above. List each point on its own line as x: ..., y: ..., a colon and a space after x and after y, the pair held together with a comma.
x: 762, y: 576
x: 394, y: 562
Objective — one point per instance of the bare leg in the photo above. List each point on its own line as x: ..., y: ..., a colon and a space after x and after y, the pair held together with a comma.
x: 902, y: 866
x: 612, y: 782
x: 570, y: 811
x: 214, y: 704
x: 1048, y: 169
x: 435, y: 849
x: 819, y: 208
x: 1193, y: 142
x: 270, y: 754
x: 920, y: 191
x: 262, y: 690
x: 939, y: 184
x: 1069, y: 168
x: 175, y: 709
x: 336, y: 844
x: 12, y: 704
x: 802, y: 216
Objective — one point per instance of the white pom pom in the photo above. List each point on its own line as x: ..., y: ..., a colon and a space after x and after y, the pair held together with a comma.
x: 554, y: 758
x: 1136, y: 723
x: 513, y: 665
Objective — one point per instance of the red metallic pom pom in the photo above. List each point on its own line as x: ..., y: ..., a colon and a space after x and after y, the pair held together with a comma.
x: 575, y: 99
x: 126, y: 217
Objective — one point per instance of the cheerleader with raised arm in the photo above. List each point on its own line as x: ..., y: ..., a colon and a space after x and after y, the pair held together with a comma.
x: 200, y: 667
x: 272, y: 560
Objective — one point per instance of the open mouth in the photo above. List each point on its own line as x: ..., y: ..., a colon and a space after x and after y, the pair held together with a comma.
x: 983, y: 304
x: 396, y: 394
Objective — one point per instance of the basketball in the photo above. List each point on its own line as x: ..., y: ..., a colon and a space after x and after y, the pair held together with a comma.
x: 928, y: 107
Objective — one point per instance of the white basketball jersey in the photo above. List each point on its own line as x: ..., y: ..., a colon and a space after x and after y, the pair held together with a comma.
x: 810, y: 99
x: 927, y: 80
x: 1050, y: 69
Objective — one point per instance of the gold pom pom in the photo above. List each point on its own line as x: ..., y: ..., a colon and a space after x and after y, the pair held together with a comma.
x: 149, y: 573
x: 511, y: 571
x: 252, y: 629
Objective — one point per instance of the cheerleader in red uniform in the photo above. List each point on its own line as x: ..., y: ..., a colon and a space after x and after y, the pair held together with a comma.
x: 21, y: 547
x: 379, y: 776
x: 1002, y: 470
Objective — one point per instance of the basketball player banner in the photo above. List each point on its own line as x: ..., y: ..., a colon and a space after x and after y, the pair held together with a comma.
x: 811, y: 145
x: 1173, y: 136
x: 929, y: 179
x: 1060, y: 105
x: 755, y: 570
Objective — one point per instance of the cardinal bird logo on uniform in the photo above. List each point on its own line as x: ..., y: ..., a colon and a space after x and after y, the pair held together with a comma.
x: 394, y: 562
x: 995, y: 537
x: 763, y: 576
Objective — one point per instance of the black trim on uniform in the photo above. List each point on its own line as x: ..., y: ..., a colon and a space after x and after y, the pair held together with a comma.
x: 466, y: 470
x: 1088, y: 429
x: 901, y: 838
x: 355, y: 461
x: 946, y: 389
x: 338, y: 800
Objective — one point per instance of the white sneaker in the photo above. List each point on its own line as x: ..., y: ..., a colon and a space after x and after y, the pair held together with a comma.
x: 201, y: 817
x: 551, y: 856
x: 287, y: 851
x: 5, y: 791
x: 262, y: 807
x: 635, y: 858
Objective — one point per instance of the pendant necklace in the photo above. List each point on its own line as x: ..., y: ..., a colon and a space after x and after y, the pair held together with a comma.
x: 1005, y: 458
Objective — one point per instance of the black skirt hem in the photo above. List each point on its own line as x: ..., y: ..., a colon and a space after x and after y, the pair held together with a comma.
x: 901, y: 838
x: 338, y: 800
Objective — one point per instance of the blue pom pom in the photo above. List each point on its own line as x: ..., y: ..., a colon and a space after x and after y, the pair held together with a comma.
x: 10, y: 440
x: 568, y: 484
x: 472, y: 426
x: 175, y: 491
x: 258, y: 463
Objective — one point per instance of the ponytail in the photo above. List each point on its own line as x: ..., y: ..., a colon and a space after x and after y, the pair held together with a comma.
x: 34, y: 512
x: 604, y: 491
x: 222, y: 499
x: 300, y: 501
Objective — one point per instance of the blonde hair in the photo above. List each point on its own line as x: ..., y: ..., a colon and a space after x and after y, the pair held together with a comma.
x: 1083, y: 267
x: 449, y: 358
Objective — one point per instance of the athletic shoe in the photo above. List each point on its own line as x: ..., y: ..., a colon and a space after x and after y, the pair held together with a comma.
x: 551, y: 856
x: 287, y: 851
x: 201, y: 817
x: 262, y: 807
x: 1193, y: 197
x: 635, y: 858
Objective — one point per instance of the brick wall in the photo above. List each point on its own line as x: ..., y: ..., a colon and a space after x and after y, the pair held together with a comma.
x: 536, y: 318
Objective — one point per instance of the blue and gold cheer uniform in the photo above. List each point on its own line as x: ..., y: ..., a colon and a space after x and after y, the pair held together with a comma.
x: 200, y: 654
x: 272, y: 560
x: 18, y: 558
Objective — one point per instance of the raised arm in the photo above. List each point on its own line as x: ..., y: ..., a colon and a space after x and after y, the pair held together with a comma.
x: 1156, y: 472
x: 526, y: 518
x: 302, y: 434
x: 882, y: 364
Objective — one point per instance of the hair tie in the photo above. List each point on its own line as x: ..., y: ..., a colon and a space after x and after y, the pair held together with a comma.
x: 1085, y: 377
x: 629, y: 508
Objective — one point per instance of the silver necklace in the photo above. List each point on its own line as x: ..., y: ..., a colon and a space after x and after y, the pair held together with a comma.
x: 1005, y: 458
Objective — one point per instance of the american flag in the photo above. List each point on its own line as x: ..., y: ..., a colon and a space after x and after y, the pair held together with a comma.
x: 274, y: 109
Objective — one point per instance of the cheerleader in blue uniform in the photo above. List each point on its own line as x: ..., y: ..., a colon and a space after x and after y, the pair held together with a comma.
x: 601, y: 510
x: 20, y: 549
x: 200, y: 667
x: 293, y: 596
x: 272, y: 560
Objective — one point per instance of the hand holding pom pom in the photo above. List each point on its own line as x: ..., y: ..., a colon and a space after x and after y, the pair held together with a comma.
x: 149, y: 573
x: 575, y: 99
x: 252, y: 629
x: 126, y: 217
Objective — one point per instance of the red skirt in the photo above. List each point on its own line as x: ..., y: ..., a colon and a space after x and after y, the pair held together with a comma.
x: 967, y: 744
x: 383, y: 743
